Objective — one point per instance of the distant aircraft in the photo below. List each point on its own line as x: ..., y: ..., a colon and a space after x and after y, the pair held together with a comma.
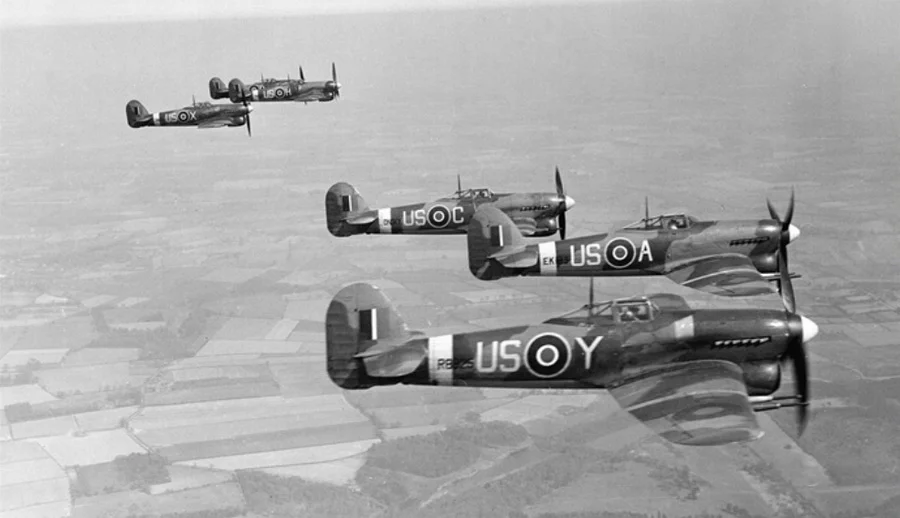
x: 203, y: 115
x: 729, y: 258
x: 695, y: 376
x: 534, y: 214
x: 277, y: 90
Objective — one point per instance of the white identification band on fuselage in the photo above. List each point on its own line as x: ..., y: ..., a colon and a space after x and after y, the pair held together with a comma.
x: 547, y: 258
x: 440, y: 359
x: 156, y: 119
x: 384, y: 221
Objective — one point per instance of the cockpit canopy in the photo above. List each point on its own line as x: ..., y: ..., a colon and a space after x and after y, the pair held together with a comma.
x: 617, y: 311
x: 472, y: 194
x: 664, y: 222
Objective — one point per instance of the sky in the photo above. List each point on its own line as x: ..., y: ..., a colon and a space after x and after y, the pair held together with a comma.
x: 64, y: 12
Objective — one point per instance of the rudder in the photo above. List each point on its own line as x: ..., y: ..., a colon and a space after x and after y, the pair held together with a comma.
x: 358, y: 318
x: 342, y: 202
x: 217, y: 88
x: 136, y: 114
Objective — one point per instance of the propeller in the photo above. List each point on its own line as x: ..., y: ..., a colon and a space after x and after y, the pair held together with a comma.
x: 247, y: 115
x: 796, y: 351
x: 788, y: 233
x: 565, y: 203
x: 333, y: 85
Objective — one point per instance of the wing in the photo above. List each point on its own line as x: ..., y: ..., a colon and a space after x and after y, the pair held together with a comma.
x: 728, y: 275
x: 308, y: 94
x: 213, y: 123
x: 698, y: 403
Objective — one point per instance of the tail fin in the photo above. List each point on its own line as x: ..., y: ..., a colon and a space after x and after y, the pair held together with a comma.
x: 367, y: 340
x: 136, y: 114
x: 237, y: 92
x: 496, y: 246
x: 342, y: 204
x: 217, y: 88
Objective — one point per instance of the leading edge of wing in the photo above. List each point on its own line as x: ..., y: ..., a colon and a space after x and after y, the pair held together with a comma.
x: 727, y: 275
x: 697, y: 403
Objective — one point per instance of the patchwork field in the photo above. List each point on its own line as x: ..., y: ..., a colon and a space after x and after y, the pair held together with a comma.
x: 310, y: 455
x: 32, y: 483
x: 224, y: 498
x: 94, y: 448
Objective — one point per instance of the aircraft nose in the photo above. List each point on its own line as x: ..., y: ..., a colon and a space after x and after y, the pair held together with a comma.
x: 810, y: 328
x: 569, y: 203
x: 793, y: 233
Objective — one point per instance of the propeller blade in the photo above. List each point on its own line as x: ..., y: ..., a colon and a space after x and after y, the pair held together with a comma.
x: 789, y: 215
x: 797, y: 355
x: 247, y: 115
x: 772, y: 212
x: 559, y: 185
x: 561, y: 220
x: 785, y: 285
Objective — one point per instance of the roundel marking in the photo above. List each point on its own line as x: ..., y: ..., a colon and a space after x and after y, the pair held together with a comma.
x: 183, y: 116
x: 279, y: 92
x: 547, y: 355
x: 619, y: 252
x: 438, y: 216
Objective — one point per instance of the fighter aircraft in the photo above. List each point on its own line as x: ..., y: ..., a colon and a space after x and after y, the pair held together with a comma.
x: 268, y: 89
x: 695, y: 376
x: 535, y: 214
x: 203, y: 115
x: 728, y: 258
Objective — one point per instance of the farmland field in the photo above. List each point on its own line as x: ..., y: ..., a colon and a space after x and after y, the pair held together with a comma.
x: 221, y: 347
x: 87, y: 378
x: 103, y: 419
x: 187, y: 477
x: 339, y: 472
x: 270, y: 441
x: 93, y: 448
x: 19, y: 357
x: 33, y: 394
x: 310, y: 455
x: 437, y: 413
x: 232, y: 429
x: 222, y: 392
x: 220, y: 497
x: 62, y: 425
x: 101, y: 355
x: 212, y: 412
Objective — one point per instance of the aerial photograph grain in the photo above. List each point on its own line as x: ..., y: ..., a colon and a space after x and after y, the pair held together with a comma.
x: 500, y: 258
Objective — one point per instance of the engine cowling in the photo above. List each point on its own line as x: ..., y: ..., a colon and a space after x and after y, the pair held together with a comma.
x: 217, y: 88
x: 237, y: 92
x: 762, y: 378
x: 545, y: 227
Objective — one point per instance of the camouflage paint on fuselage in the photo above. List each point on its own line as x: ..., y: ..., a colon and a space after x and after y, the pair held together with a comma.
x: 199, y: 114
x: 597, y: 348
x: 535, y: 213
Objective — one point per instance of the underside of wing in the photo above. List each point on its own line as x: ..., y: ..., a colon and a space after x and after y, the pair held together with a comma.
x: 699, y: 403
x: 527, y: 226
x: 728, y: 275
x: 307, y: 95
x: 214, y: 123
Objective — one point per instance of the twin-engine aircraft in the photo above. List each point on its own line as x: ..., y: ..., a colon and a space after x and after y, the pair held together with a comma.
x: 533, y: 214
x: 728, y: 258
x: 695, y: 376
x: 203, y: 115
x: 275, y: 90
